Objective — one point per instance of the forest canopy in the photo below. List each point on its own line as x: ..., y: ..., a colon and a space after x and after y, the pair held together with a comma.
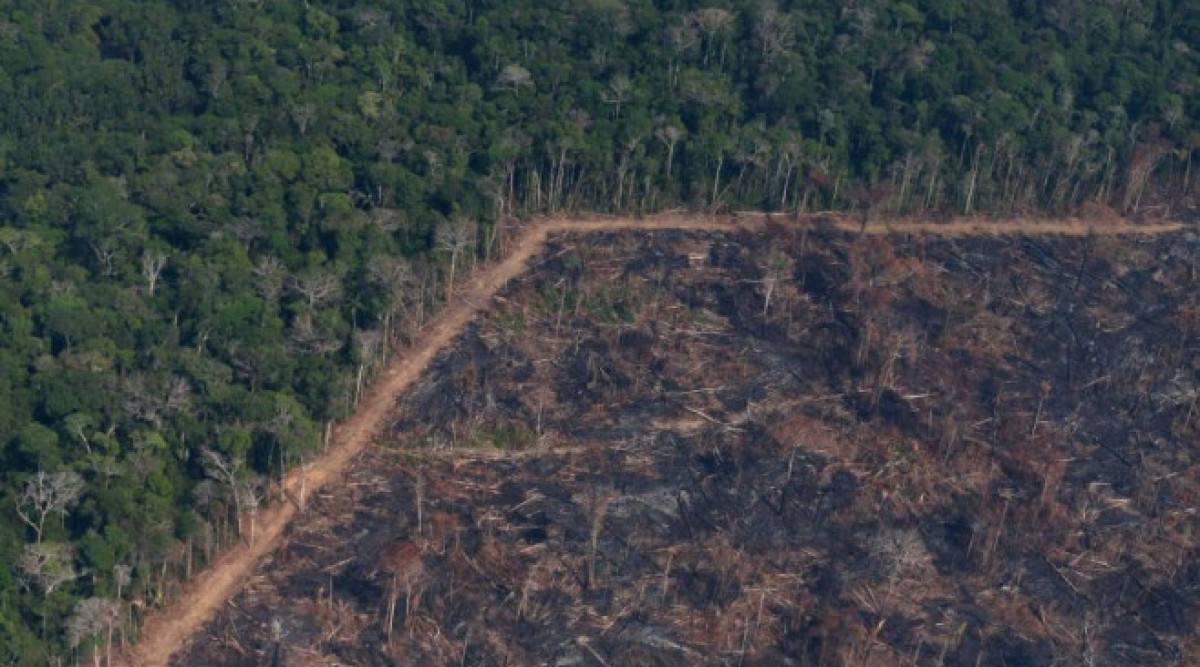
x: 216, y: 217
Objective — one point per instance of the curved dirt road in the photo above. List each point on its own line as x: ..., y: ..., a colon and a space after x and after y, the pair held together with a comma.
x: 169, y: 629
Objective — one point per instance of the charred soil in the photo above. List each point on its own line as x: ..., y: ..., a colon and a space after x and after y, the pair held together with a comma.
x: 775, y: 447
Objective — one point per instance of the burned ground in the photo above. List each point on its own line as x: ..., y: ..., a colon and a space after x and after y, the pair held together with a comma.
x: 785, y: 448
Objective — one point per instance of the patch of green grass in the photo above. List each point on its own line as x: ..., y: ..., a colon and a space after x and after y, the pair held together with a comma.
x: 511, y: 321
x: 573, y: 263
x: 506, y: 435
x: 613, y: 304
x: 554, y: 298
x: 705, y: 319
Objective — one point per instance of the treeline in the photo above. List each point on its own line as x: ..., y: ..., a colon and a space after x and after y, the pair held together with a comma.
x: 216, y: 217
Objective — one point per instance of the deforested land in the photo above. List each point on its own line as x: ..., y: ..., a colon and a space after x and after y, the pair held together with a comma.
x: 791, y: 445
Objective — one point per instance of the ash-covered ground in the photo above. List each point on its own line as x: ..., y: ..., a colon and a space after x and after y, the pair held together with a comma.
x: 788, y: 448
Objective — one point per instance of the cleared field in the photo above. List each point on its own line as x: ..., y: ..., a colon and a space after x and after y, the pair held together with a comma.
x: 769, y: 445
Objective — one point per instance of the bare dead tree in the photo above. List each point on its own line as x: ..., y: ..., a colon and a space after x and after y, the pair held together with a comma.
x: 791, y: 152
x: 153, y: 263
x: 626, y: 163
x: 402, y: 561
x: 713, y: 23
x: 392, y: 273
x: 396, y: 276
x: 386, y: 220
x: 179, y: 395
x: 899, y: 552
x: 600, y: 503
x: 775, y: 267
x: 455, y: 237
x: 107, y: 255
x: 122, y: 576
x: 680, y: 39
x: 268, y: 277
x: 512, y: 78
x: 93, y: 617
x: 241, y: 485
x: 972, y: 182
x: 278, y: 426
x: 670, y: 136
x: 48, y: 493
x: 318, y: 288
x: 77, y: 425
x: 368, y: 343
x: 141, y: 402
x: 1044, y: 386
x: 311, y: 338
x: 620, y: 90
x: 47, y: 566
x: 774, y: 31
x: 1145, y: 160
x: 419, y: 493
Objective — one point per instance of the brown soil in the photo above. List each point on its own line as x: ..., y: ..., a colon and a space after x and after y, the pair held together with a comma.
x: 169, y: 630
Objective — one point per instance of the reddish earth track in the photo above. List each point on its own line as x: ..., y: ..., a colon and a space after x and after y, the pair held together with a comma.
x: 168, y: 630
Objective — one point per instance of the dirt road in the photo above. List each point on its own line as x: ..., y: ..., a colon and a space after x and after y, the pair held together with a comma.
x: 169, y: 629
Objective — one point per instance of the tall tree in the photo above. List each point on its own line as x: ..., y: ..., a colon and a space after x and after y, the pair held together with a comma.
x: 45, y: 494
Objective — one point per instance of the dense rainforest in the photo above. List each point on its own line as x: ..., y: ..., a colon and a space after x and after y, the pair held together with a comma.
x: 217, y: 217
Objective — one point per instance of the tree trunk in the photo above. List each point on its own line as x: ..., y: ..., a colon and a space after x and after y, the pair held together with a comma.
x: 971, y: 182
x: 1187, y: 173
x: 904, y: 182
x: 450, y: 281
x: 391, y: 614
x: 303, y: 483
x: 787, y: 177
x: 717, y: 181
x: 237, y: 510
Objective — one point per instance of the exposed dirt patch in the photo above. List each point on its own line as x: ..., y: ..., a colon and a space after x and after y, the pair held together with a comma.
x: 772, y: 447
